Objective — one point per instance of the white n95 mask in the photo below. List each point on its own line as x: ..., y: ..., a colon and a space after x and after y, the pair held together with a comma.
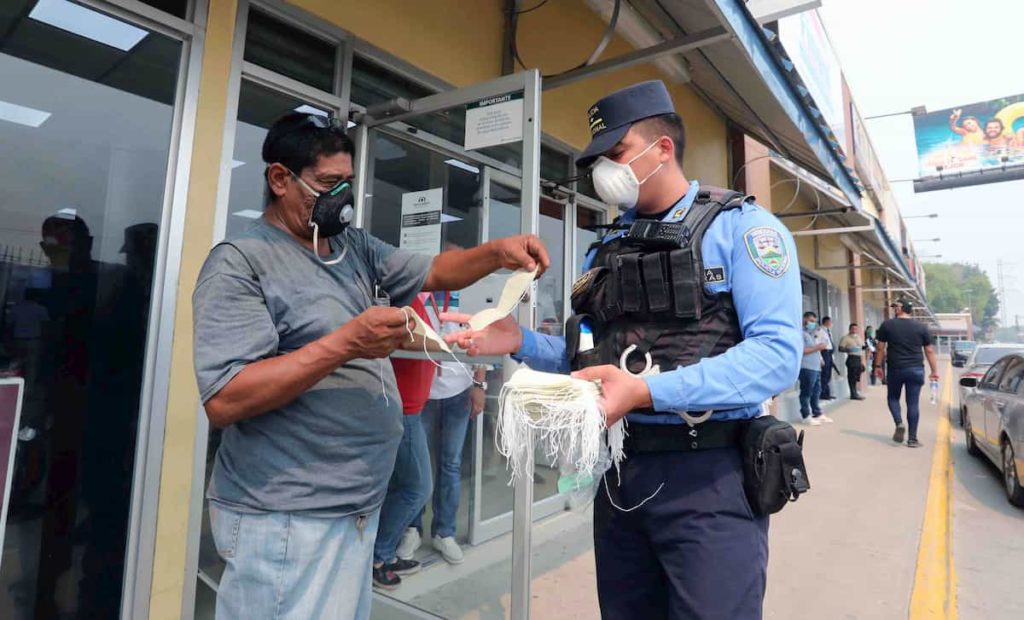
x: 616, y: 183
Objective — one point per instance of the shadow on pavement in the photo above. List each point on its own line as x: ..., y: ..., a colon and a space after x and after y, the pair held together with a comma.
x: 883, y: 438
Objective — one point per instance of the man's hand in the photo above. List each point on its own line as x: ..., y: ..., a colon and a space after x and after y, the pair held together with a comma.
x: 934, y: 376
x: 522, y: 252
x: 880, y: 372
x: 499, y: 338
x: 621, y: 392
x: 477, y: 399
x: 376, y: 332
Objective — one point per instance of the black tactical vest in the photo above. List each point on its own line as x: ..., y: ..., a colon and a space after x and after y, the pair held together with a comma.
x: 644, y: 295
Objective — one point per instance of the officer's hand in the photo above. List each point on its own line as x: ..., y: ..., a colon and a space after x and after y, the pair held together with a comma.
x: 621, y: 392
x: 880, y: 373
x: 376, y: 332
x: 499, y: 338
x: 522, y: 252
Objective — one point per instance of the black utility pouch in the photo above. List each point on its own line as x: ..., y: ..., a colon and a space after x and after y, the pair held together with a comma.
x: 773, y: 465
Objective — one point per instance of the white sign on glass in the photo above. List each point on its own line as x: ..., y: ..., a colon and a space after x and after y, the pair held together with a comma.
x: 421, y: 221
x: 494, y: 121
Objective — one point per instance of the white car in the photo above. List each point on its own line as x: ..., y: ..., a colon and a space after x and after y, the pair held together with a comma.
x: 978, y: 364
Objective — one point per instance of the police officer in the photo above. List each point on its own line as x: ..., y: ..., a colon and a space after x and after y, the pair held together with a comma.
x: 691, y: 309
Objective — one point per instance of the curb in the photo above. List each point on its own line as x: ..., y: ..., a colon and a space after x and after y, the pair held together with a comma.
x: 934, y: 593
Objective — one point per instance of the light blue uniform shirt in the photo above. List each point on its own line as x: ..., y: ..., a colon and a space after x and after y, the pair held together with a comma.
x: 766, y: 292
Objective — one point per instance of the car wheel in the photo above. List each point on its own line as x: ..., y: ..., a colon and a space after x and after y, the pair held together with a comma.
x: 1011, y: 483
x: 972, y: 447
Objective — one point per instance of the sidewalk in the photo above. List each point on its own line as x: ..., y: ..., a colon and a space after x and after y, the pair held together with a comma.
x: 847, y: 549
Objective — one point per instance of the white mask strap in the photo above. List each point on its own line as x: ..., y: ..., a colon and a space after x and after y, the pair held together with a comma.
x: 316, y: 248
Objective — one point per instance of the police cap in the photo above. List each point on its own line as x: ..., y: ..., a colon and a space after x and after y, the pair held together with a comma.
x: 612, y: 116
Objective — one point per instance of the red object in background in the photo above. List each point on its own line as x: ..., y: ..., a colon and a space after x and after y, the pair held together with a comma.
x: 10, y: 412
x: 414, y: 377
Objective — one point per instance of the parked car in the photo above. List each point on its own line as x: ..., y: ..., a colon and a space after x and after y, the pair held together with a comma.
x: 978, y: 364
x: 962, y: 350
x: 994, y: 424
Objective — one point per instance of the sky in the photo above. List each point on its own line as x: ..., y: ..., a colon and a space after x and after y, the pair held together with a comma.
x: 897, y: 54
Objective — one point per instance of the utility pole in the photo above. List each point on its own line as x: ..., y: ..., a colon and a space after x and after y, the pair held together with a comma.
x: 1002, y: 291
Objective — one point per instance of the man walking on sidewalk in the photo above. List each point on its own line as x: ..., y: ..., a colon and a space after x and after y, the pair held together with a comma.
x: 901, y: 342
x: 853, y: 347
x: 810, y: 374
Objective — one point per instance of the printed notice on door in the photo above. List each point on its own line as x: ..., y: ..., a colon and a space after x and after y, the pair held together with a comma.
x: 421, y: 221
x: 494, y: 121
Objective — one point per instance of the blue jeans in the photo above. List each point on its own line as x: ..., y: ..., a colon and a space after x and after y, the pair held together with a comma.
x: 408, y: 490
x: 445, y: 421
x: 285, y: 565
x: 810, y: 392
x: 913, y: 380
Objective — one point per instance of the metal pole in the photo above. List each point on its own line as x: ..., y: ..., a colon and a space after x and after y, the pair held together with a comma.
x: 522, y: 502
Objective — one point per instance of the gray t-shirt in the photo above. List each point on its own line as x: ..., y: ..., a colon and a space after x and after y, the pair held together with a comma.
x: 810, y: 361
x: 330, y: 451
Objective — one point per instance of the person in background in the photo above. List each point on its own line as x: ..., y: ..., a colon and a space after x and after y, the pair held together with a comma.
x: 904, y: 343
x: 410, y: 484
x: 810, y: 373
x: 456, y: 396
x: 852, y: 345
x: 871, y: 344
x: 824, y: 336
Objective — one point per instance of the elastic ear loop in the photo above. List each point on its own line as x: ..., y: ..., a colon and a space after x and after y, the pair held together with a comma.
x: 316, y: 250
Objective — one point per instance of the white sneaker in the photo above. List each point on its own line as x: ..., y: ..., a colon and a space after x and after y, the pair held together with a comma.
x: 411, y: 541
x: 449, y: 549
x: 825, y: 418
x: 815, y: 422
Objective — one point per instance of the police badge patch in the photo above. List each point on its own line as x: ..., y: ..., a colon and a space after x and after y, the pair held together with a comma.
x: 767, y: 250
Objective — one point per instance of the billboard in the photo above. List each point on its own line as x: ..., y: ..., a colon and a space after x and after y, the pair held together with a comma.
x: 976, y: 143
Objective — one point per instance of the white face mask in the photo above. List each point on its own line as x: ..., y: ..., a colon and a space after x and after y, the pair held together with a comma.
x: 616, y: 183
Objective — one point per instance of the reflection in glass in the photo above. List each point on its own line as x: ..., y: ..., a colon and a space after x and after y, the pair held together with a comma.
x: 83, y: 191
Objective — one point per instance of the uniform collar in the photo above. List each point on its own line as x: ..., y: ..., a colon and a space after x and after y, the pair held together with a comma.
x: 674, y: 215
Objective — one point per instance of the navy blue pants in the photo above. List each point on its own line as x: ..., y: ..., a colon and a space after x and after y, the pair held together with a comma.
x: 694, y: 551
x: 913, y: 380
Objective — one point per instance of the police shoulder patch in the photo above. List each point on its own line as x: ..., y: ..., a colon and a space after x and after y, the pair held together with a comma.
x: 767, y: 250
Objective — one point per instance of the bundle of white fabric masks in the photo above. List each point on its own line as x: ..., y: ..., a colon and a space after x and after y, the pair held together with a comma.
x: 563, y: 415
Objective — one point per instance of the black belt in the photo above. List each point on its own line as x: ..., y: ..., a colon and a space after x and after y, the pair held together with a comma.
x: 641, y: 438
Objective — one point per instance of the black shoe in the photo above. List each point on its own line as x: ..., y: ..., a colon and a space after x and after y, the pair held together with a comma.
x: 857, y: 397
x: 913, y: 443
x: 403, y: 567
x: 898, y: 435
x: 384, y: 578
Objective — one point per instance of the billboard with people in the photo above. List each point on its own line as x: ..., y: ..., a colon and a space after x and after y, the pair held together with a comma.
x: 980, y: 137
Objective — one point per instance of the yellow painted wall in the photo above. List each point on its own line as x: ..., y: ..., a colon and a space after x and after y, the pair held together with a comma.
x: 455, y: 40
x: 179, y: 438
x: 461, y: 43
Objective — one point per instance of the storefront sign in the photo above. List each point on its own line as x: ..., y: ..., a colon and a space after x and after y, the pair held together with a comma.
x: 808, y: 46
x: 10, y: 412
x: 977, y: 138
x: 421, y: 221
x: 494, y: 121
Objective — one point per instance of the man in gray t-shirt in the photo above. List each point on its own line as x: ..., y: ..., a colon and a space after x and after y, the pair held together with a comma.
x: 292, y: 322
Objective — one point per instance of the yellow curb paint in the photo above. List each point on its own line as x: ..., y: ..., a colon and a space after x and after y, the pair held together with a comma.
x: 934, y: 594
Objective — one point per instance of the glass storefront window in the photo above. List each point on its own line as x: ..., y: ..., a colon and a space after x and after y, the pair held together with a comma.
x: 585, y: 236
x: 290, y: 51
x: 85, y: 135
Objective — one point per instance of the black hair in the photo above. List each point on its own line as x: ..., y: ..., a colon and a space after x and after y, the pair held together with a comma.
x: 810, y: 315
x: 825, y: 318
x: 1002, y: 127
x: 298, y: 140
x: 852, y: 325
x: 670, y: 125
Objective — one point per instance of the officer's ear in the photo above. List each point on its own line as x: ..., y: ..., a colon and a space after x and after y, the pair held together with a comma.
x: 277, y: 179
x: 666, y: 150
